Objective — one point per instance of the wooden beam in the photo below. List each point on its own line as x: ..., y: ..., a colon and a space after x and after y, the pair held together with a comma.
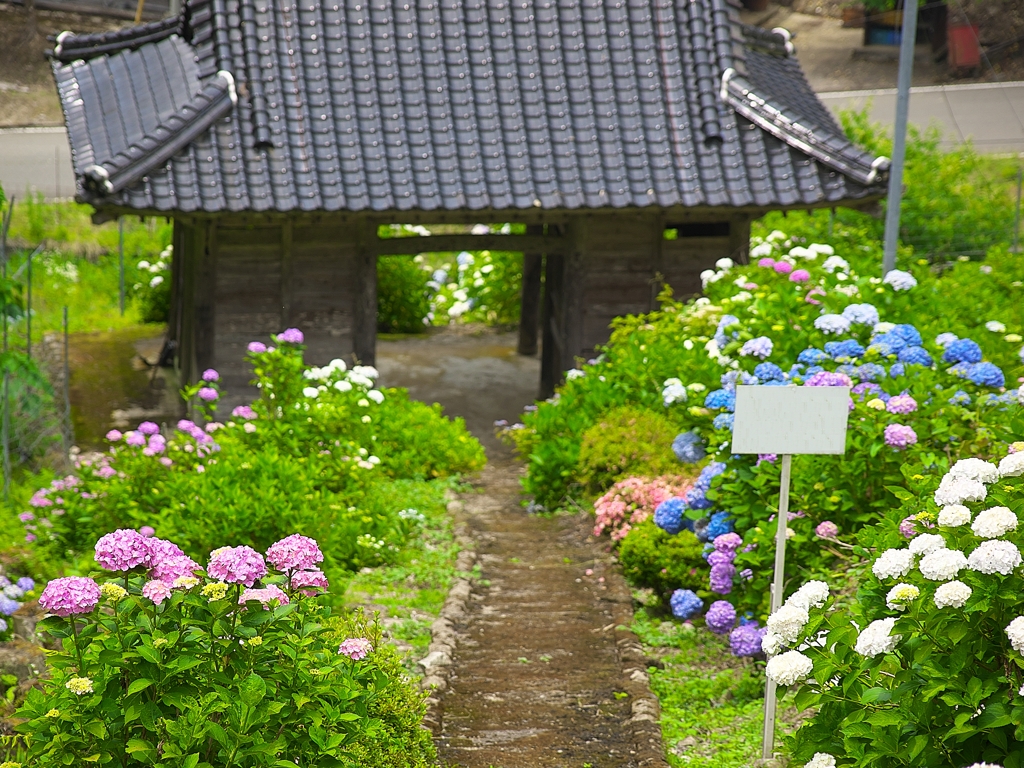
x: 446, y: 243
x: 529, y: 297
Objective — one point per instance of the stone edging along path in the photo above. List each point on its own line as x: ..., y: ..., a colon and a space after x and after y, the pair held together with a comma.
x: 534, y: 664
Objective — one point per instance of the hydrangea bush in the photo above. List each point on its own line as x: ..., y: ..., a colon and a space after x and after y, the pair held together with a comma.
x: 163, y: 664
x: 925, y: 666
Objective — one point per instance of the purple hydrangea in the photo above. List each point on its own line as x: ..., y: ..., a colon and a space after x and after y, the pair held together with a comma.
x: 901, y: 404
x: 237, y: 565
x: 291, y: 336
x: 746, y: 639
x: 294, y: 553
x: 986, y: 375
x: 669, y: 515
x: 760, y: 347
x: 900, y: 436
x: 210, y: 375
x: 243, y: 412
x: 70, y: 596
x: 915, y: 356
x: 8, y: 605
x: 209, y: 394
x: 148, y: 428
x: 721, y: 617
x: 826, y: 530
x: 257, y: 347
x: 728, y: 542
x: 135, y: 439
x: 720, y: 557
x: 962, y: 351
x: 26, y: 584
x: 828, y: 379
x: 122, y: 550
x: 688, y: 447
x: 685, y: 603
x: 908, y: 527
x: 114, y: 435
x: 721, y: 577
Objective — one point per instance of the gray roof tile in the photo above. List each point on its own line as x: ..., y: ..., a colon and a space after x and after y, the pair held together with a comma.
x: 450, y: 104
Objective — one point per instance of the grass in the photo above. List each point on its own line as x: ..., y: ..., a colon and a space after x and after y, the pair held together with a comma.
x: 711, y: 701
x: 410, y: 592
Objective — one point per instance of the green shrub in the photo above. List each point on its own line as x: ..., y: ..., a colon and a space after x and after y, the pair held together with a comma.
x: 626, y: 441
x: 403, y: 299
x: 651, y: 557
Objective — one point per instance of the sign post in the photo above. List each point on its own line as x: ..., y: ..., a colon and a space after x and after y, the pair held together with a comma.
x: 786, y: 421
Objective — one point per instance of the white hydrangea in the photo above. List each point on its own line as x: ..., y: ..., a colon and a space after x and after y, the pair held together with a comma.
x: 900, y: 280
x: 995, y: 326
x: 1015, y: 631
x: 984, y: 765
x: 788, y: 622
x: 673, y: 392
x: 762, y: 250
x: 877, y: 638
x: 953, y: 594
x: 883, y: 327
x: 926, y: 543
x: 376, y: 395
x: 956, y: 490
x: 813, y: 594
x: 776, y: 236
x: 900, y: 595
x: 821, y: 249
x: 365, y: 370
x: 1012, y: 465
x: 943, y: 564
x: 954, y: 515
x: 893, y: 564
x: 799, y: 252
x: 1020, y: 390
x: 789, y: 668
x: 994, y: 522
x: 771, y: 643
x: 573, y: 374
x: 975, y: 469
x: 310, y: 392
x: 832, y: 263
x: 821, y: 760
x: 995, y: 557
x: 831, y: 323
x: 725, y: 264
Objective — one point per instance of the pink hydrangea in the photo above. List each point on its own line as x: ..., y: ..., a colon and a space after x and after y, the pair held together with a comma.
x: 633, y: 500
x: 901, y: 404
x: 815, y: 291
x: 766, y: 263
x: 291, y: 336
x: 186, y: 426
x: 122, y: 550
x: 237, y: 565
x: 166, y: 461
x: 826, y: 530
x: 264, y: 596
x: 156, y: 590
x: 39, y: 499
x: 308, y: 582
x: 135, y: 439
x: 243, y: 412
x: 148, y: 531
x: 256, y: 347
x: 148, y: 428
x: 158, y: 550
x: 171, y: 568
x: 800, y: 276
x: 106, y: 472
x: 294, y: 553
x: 209, y: 394
x: 783, y: 267
x: 900, y: 436
x: 356, y: 648
x: 70, y: 596
x: 114, y: 435
x: 210, y: 375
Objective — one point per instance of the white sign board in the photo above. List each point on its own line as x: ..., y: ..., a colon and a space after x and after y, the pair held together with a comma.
x: 793, y: 420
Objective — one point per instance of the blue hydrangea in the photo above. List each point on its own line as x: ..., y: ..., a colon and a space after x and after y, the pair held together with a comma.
x: 721, y: 398
x: 988, y: 398
x: 695, y: 499
x: 811, y: 370
x: 720, y: 336
x: 915, y: 356
x: 708, y: 547
x: 711, y: 471
x: 723, y: 421
x: 870, y: 372
x: 7, y: 605
x: 945, y: 339
x: 847, y: 369
x: 776, y: 383
x: 439, y: 276
x: 731, y: 378
x: 986, y: 375
x: 669, y: 515
x: 888, y: 343
x: 811, y: 356
x: 959, y: 370
x: 864, y: 314
x: 909, y: 334
x: 719, y: 524
x: 845, y: 348
x: 685, y: 604
x: 962, y: 351
x: 897, y: 369
x: 768, y: 372
x: 700, y: 529
x: 960, y: 398
x: 688, y: 447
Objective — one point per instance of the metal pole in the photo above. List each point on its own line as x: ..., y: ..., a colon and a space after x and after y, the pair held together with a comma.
x: 68, y: 430
x: 1016, y: 219
x: 120, y: 261
x: 770, y: 702
x: 899, y: 145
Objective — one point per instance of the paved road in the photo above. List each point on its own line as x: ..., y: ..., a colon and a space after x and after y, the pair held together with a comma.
x: 989, y: 114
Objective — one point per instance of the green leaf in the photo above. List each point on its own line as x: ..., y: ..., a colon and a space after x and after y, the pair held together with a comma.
x: 150, y: 714
x: 252, y: 690
x: 139, y: 685
x: 190, y: 762
x: 137, y: 745
x: 150, y: 654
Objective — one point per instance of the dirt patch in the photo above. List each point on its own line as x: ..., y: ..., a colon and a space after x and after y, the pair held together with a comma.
x: 544, y: 673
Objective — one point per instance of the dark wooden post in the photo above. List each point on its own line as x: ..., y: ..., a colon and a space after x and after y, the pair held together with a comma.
x: 364, y: 320
x: 205, y: 293
x: 286, y: 274
x: 562, y: 315
x: 739, y: 239
x: 530, y: 298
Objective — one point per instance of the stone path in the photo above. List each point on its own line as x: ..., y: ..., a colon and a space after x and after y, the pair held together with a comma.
x: 541, y: 676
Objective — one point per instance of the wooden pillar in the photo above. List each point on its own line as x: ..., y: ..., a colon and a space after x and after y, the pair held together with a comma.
x: 364, y: 320
x: 739, y: 239
x: 205, y: 293
x: 562, y: 315
x: 286, y: 274
x: 530, y: 298
x: 177, y: 254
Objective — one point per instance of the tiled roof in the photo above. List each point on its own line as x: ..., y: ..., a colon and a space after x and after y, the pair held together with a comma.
x: 374, y: 105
